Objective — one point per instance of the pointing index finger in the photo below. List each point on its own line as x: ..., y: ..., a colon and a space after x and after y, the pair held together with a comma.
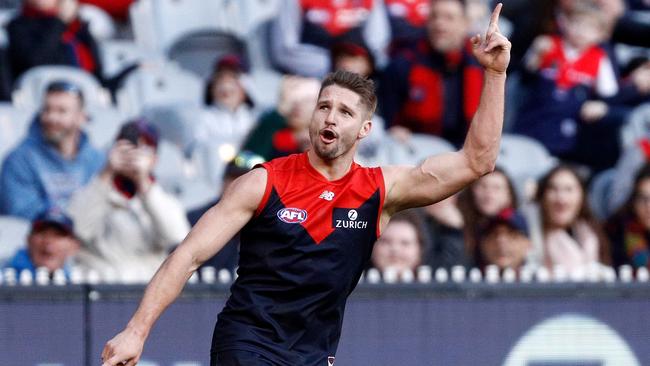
x: 494, y: 20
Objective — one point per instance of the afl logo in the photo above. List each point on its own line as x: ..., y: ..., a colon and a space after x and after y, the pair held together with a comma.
x: 292, y: 215
x: 352, y: 215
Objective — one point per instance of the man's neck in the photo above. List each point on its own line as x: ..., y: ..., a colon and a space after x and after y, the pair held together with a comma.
x: 331, y: 169
x: 68, y: 147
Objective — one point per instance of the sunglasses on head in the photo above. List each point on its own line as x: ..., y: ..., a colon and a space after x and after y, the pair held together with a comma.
x: 59, y: 86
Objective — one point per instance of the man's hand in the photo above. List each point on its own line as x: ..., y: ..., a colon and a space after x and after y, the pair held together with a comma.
x: 541, y: 46
x: 493, y: 50
x: 124, y: 349
x: 593, y: 111
x: 141, y: 164
x: 118, y: 157
x: 134, y: 162
x: 401, y: 134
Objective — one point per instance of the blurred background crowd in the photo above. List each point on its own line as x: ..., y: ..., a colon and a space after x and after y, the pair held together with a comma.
x: 121, y: 122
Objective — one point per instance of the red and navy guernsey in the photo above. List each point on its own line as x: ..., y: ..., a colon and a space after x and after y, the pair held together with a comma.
x: 301, y: 255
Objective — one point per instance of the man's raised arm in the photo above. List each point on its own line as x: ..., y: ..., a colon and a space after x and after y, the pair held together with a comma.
x: 208, y: 236
x: 443, y: 175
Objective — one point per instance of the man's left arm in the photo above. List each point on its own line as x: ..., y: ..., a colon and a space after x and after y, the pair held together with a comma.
x: 443, y: 175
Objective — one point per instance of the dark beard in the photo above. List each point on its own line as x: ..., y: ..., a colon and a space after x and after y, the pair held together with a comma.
x: 326, y: 154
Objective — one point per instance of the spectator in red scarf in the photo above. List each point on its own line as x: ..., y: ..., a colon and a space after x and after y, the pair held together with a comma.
x: 49, y: 32
x: 434, y: 87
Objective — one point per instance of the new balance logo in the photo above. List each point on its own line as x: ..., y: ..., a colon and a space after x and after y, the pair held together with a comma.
x: 327, y: 195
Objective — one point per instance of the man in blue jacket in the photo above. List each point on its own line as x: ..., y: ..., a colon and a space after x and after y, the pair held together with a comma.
x: 54, y: 160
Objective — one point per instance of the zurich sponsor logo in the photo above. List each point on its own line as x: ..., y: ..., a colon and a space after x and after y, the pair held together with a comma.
x: 351, y: 222
x: 292, y: 215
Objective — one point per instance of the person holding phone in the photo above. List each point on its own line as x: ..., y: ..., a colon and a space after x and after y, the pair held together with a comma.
x: 126, y: 222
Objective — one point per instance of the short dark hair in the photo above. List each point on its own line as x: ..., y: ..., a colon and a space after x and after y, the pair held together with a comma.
x: 363, y: 87
x: 64, y: 86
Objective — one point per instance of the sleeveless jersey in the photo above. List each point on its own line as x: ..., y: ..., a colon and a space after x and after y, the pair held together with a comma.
x: 301, y: 255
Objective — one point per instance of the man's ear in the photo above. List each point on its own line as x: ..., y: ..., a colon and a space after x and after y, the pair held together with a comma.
x: 365, y: 129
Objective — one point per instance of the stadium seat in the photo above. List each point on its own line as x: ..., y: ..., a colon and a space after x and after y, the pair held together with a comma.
x: 103, y: 125
x: 13, y: 234
x: 100, y: 23
x: 118, y: 55
x: 372, y: 150
x: 524, y: 159
x: 257, y: 45
x: 211, y: 159
x: 264, y: 81
x: 198, y: 51
x: 175, y: 123
x: 5, y: 16
x: 204, y: 160
x: 636, y: 127
x: 30, y: 86
x: 157, y: 24
x: 416, y: 149
x: 153, y: 85
x: 182, y: 176
x: 14, y: 124
x: 600, y: 191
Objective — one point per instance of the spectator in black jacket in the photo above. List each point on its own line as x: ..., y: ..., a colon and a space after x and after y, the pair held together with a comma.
x: 49, y: 32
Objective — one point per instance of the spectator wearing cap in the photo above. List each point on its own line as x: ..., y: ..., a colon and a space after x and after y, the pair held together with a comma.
x: 305, y: 30
x: 49, y: 32
x: 125, y: 220
x: 504, y: 241
x: 434, y: 87
x: 54, y: 160
x: 240, y: 165
x: 51, y: 244
x: 227, y: 100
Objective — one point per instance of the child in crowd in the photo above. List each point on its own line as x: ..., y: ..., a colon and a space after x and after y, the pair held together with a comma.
x: 565, y: 76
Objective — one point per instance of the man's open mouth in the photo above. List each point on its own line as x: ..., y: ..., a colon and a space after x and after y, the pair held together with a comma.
x: 328, y: 136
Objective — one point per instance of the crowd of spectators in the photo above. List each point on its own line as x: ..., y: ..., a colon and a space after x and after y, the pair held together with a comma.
x: 579, y: 82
